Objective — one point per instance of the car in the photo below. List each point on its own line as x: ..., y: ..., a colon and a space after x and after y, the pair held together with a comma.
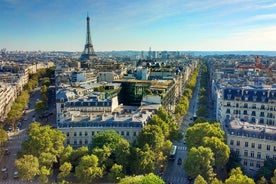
x: 5, y: 175
x: 15, y: 175
x: 179, y: 161
x: 4, y: 169
x: 7, y: 152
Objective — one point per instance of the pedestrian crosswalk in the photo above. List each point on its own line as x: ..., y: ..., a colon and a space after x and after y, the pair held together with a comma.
x: 176, y: 179
x: 183, y: 148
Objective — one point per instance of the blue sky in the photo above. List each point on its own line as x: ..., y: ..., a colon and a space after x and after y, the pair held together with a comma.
x: 188, y: 25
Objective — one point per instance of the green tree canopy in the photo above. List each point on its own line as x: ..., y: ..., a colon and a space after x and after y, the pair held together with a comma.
x: 196, y: 133
x: 3, y: 136
x: 151, y: 135
x: 142, y: 160
x: 273, y: 179
x: 200, y: 180
x: 65, y: 170
x: 87, y: 170
x: 199, y: 162
x: 220, y: 149
x: 28, y: 167
x: 142, y: 179
x: 237, y: 177
x: 45, y: 143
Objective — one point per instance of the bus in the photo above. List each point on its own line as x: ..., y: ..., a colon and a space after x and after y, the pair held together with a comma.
x: 173, y: 152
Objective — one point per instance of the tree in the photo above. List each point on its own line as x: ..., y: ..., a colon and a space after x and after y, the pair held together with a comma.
x: 87, y: 170
x: 233, y: 161
x: 199, y: 162
x: 43, y: 175
x: 156, y: 120
x: 64, y: 156
x: 45, y: 143
x: 28, y: 167
x: 142, y: 160
x: 220, y: 149
x: 216, y: 181
x: 262, y: 181
x: 3, y: 136
x: 200, y: 180
x: 76, y: 155
x: 65, y: 170
x: 40, y: 106
x: 151, y: 135
x: 196, y: 133
x: 237, y: 177
x: 116, y: 173
x: 273, y: 179
x: 267, y: 169
x: 115, y: 147
x: 142, y: 179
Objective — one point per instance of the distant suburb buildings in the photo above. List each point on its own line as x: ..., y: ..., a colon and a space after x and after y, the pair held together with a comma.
x: 95, y: 94
x: 244, y: 94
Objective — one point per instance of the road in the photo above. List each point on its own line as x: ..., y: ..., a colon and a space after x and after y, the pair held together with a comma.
x: 175, y: 173
x: 15, y: 141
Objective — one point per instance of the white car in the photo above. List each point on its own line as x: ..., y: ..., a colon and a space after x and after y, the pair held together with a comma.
x: 4, y: 169
x: 15, y: 175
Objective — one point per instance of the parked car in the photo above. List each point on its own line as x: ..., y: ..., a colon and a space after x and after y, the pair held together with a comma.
x: 4, y: 169
x: 5, y: 175
x: 15, y: 175
x: 7, y: 152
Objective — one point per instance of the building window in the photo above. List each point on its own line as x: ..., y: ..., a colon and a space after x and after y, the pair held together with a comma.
x: 68, y: 141
x: 67, y: 134
x: 253, y: 113
x: 237, y: 151
x: 80, y: 133
x: 245, y: 112
x: 251, y: 164
x: 231, y: 142
x: 252, y: 154
x: 85, y: 141
x: 245, y: 153
x: 262, y: 107
x: 252, y: 145
x: 134, y: 133
x: 267, y: 157
x: 262, y: 114
x: 228, y: 111
x: 258, y: 165
x: 245, y: 162
x: 80, y: 142
x: 122, y: 133
x: 246, y: 144
x: 238, y: 143
x: 259, y: 155
x: 75, y: 142
x: 85, y: 133
x: 75, y: 133
x: 259, y: 146
x: 245, y: 105
x: 127, y: 133
x: 93, y: 133
x: 274, y: 148
x: 274, y: 157
x: 268, y: 147
x: 228, y: 104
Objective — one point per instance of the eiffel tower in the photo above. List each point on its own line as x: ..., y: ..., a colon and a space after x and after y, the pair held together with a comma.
x: 88, y: 54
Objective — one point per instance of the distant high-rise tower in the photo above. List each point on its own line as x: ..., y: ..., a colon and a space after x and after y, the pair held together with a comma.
x: 88, y: 53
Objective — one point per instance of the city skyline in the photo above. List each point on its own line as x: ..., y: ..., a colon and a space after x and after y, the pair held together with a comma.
x: 212, y: 25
